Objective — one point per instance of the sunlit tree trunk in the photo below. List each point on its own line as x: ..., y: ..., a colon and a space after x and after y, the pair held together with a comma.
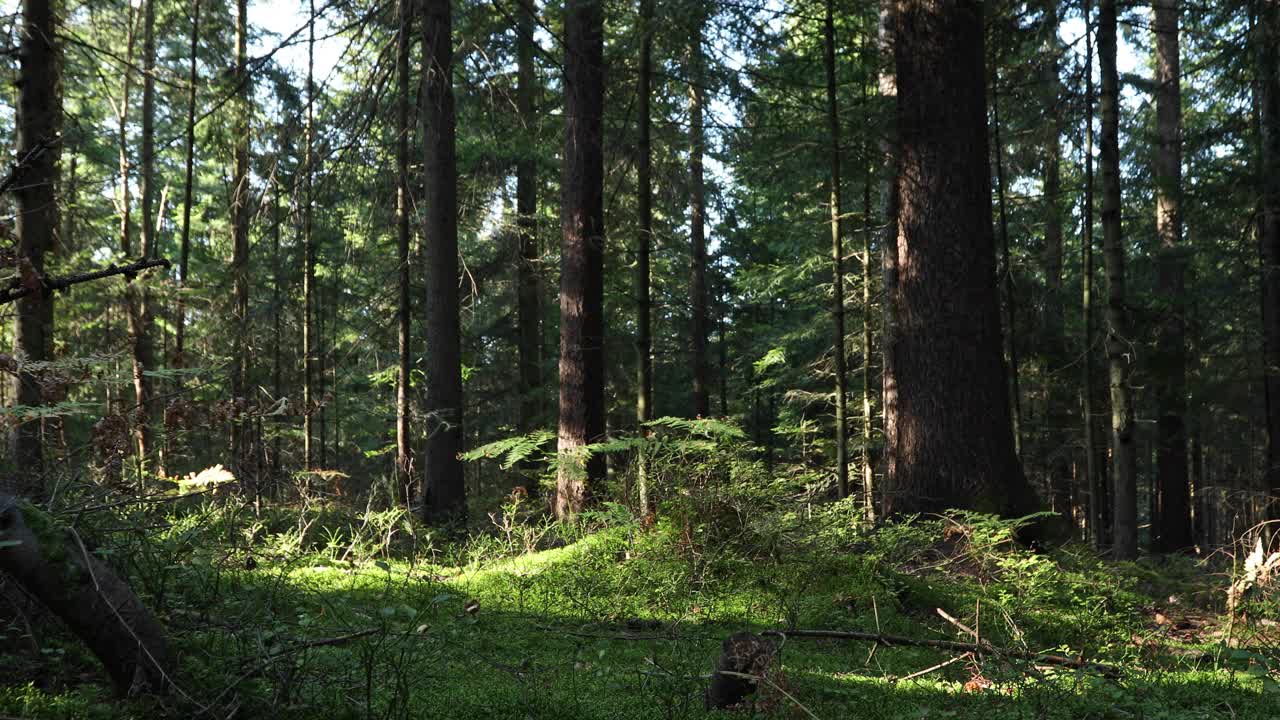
x: 837, y: 253
x: 1123, y: 451
x: 582, y: 417
x: 1099, y: 498
x: 644, y: 240
x: 404, y: 453
x: 138, y: 297
x: 442, y: 468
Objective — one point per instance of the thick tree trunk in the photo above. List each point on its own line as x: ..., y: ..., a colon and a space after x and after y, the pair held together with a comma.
x: 1269, y: 234
x: 404, y: 453
x: 1123, y: 451
x: 240, y: 240
x: 1172, y: 524
x: 582, y: 418
x: 54, y: 566
x: 39, y: 125
x: 953, y: 445
x: 644, y: 240
x: 697, y: 226
x: 445, y: 498
x: 837, y: 254
x: 309, y: 397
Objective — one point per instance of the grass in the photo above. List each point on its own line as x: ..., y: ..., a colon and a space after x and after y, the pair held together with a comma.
x: 617, y: 619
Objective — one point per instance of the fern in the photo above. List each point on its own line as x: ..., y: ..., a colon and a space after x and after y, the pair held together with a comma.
x: 711, y: 428
x: 512, y: 450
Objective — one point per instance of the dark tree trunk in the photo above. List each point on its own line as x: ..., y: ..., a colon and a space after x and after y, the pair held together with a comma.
x: 1172, y: 524
x: 644, y: 202
x: 888, y: 91
x: 188, y: 190
x: 697, y: 226
x: 309, y: 398
x: 39, y: 125
x: 1269, y: 235
x: 240, y: 212
x: 55, y: 567
x: 1099, y: 498
x: 1006, y: 273
x: 138, y: 296
x: 1123, y: 452
x: 404, y: 453
x: 582, y: 418
x: 837, y: 254
x: 953, y: 446
x: 445, y: 498
x: 529, y: 299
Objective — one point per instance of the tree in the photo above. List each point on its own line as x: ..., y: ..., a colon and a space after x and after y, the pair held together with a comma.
x: 1172, y: 524
x: 953, y: 445
x: 529, y: 303
x: 644, y: 240
x: 1123, y: 457
x: 188, y: 188
x: 442, y: 468
x: 309, y: 398
x: 39, y: 126
x: 888, y: 91
x: 404, y: 480
x: 1268, y: 100
x: 582, y: 412
x: 837, y: 252
x: 240, y: 214
x: 697, y: 223
x: 138, y: 296
x: 1098, y: 494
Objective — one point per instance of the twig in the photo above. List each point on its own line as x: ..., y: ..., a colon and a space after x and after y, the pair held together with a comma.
x: 324, y: 642
x: 880, y: 638
x: 939, y: 666
x: 964, y: 628
x: 16, y: 289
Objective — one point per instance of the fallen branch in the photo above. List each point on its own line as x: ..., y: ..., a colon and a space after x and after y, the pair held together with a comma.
x: 883, y: 639
x: 17, y: 289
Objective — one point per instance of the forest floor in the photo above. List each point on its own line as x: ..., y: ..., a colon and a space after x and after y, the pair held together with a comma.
x: 334, y: 612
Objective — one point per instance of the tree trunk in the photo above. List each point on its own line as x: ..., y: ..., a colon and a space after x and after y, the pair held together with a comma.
x: 888, y: 90
x: 1099, y: 500
x: 1006, y: 272
x: 1269, y: 235
x: 953, y: 446
x: 442, y: 469
x: 837, y: 253
x: 582, y: 418
x: 184, y: 252
x: 53, y: 565
x: 1172, y: 525
x: 137, y: 294
x: 529, y: 300
x: 309, y: 398
x: 644, y: 202
x: 1123, y: 452
x: 404, y: 453
x: 697, y: 229
x: 39, y: 125
x: 240, y: 239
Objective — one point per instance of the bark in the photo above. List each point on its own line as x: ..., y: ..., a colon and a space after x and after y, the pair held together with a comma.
x: 837, y: 254
x: 529, y: 298
x: 697, y: 229
x: 582, y: 418
x: 1123, y: 451
x: 1172, y: 523
x: 953, y: 445
x: 1010, y: 297
x: 39, y: 125
x: 1099, y: 500
x: 644, y: 241
x: 137, y: 295
x: 53, y: 565
x: 888, y: 91
x: 445, y: 491
x: 240, y: 236
x: 1269, y: 234
x: 309, y: 397
x: 404, y: 453
x: 184, y: 252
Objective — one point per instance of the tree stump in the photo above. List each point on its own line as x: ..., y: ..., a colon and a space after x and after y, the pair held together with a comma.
x: 742, y: 654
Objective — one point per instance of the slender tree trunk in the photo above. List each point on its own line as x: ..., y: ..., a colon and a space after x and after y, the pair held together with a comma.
x: 1006, y: 273
x: 868, y: 390
x: 644, y: 201
x: 404, y: 453
x: 1172, y: 525
x: 445, y: 486
x: 277, y: 329
x: 1123, y: 451
x: 1269, y: 235
x: 240, y: 238
x: 309, y: 398
x: 184, y: 252
x: 582, y: 417
x: 529, y: 300
x: 697, y: 223
x: 837, y: 254
x: 138, y: 297
x: 39, y: 125
x: 888, y: 90
x: 1099, y: 500
x: 954, y: 442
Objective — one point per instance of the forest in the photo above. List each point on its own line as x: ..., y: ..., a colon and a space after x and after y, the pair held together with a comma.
x: 393, y: 359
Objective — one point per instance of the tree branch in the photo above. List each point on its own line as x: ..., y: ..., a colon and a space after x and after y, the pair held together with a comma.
x: 16, y: 289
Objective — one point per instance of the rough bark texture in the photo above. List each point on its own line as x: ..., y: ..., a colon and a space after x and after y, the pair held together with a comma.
x: 404, y: 453
x: 888, y: 92
x: 741, y: 654
x: 1269, y: 234
x: 240, y: 212
x: 953, y: 445
x: 1172, y: 524
x: 309, y: 397
x: 644, y: 240
x: 39, y: 124
x: 442, y: 468
x: 837, y: 255
x: 582, y: 416
x: 138, y: 296
x: 697, y: 228
x: 1123, y: 452
x: 1006, y: 274
x: 529, y: 299
x: 1098, y: 496
x: 53, y: 565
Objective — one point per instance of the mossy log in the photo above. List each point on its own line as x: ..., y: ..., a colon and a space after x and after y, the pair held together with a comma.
x: 52, y: 564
